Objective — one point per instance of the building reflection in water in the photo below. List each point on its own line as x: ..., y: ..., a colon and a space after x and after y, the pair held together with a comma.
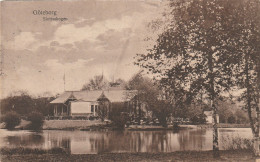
x: 89, y: 142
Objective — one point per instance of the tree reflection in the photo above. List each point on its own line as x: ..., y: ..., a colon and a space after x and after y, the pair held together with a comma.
x: 89, y: 142
x: 24, y: 140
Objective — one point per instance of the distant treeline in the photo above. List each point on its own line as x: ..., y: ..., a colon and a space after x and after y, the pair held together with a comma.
x: 24, y: 104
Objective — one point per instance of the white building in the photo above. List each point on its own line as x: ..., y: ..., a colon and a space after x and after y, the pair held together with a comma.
x: 209, y: 117
x: 87, y: 103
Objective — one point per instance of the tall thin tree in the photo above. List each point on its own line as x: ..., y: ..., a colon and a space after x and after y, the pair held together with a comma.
x: 196, y: 51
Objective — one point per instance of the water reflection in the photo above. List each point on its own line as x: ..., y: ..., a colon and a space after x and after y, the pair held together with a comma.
x: 32, y: 140
x: 85, y: 142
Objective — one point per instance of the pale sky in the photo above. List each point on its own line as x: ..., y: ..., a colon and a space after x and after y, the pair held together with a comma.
x: 97, y: 35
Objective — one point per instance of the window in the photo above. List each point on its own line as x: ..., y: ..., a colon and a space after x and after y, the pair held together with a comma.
x: 96, y: 108
x: 55, y: 109
x: 92, y: 108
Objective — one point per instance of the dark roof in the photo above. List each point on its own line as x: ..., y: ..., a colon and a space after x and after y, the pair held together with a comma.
x: 111, y: 95
x: 62, y: 98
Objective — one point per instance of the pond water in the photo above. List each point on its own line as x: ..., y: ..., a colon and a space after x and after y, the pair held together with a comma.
x: 92, y: 142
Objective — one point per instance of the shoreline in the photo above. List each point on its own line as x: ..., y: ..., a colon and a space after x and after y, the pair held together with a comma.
x: 229, y: 155
x: 85, y: 125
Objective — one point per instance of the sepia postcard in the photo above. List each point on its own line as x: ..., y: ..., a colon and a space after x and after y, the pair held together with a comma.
x: 130, y: 80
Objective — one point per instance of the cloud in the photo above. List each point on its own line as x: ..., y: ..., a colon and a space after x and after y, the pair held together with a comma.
x: 24, y: 40
x: 83, y: 20
x: 54, y: 64
x: 120, y: 27
x: 69, y: 33
x: 100, y: 40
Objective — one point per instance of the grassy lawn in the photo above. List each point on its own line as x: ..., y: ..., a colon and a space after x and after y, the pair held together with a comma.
x: 67, y: 124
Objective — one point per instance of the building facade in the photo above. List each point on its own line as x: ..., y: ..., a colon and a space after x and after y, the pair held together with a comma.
x: 87, y: 103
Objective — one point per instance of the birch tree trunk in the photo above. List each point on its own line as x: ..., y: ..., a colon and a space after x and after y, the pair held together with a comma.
x: 256, y: 135
x: 257, y: 96
x: 253, y: 124
x: 213, y: 106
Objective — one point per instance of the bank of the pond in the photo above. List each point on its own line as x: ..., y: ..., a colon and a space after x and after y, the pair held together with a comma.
x: 223, y: 125
x: 72, y: 124
x: 182, y: 126
x: 174, y: 156
x: 98, y: 125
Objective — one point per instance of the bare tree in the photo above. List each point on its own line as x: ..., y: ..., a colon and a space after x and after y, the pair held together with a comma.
x: 96, y: 83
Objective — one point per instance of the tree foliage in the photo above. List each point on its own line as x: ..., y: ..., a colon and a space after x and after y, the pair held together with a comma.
x: 118, y: 115
x: 147, y: 90
x: 199, y: 119
x: 162, y: 110
x: 247, y: 70
x: 23, y: 104
x: 197, y: 52
x: 36, y: 119
x: 148, y: 93
x: 103, y: 108
x: 11, y: 119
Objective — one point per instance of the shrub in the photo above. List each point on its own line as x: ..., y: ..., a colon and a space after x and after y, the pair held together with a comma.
x: 36, y: 120
x: 231, y: 119
x: 118, y: 116
x: 198, y: 119
x: 162, y: 110
x: 102, y: 110
x: 236, y: 143
x: 11, y: 119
